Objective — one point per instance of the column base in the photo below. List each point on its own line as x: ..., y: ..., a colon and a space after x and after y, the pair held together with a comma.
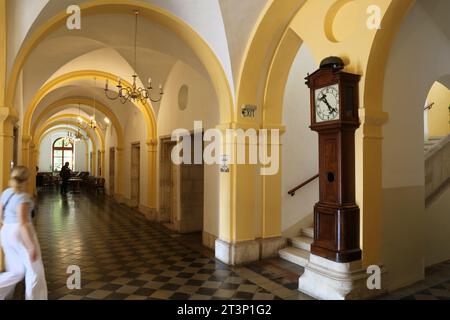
x: 271, y: 246
x: 150, y: 214
x: 237, y: 253
x: 119, y: 198
x: 209, y: 240
x: 327, y: 280
x: 248, y: 251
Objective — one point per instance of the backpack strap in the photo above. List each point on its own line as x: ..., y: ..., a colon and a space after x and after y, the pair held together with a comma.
x: 7, y: 201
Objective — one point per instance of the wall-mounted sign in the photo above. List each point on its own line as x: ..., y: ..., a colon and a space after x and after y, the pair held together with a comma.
x: 224, y: 165
x: 248, y: 111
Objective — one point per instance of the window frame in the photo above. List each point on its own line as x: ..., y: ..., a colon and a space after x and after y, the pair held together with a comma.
x: 63, y: 149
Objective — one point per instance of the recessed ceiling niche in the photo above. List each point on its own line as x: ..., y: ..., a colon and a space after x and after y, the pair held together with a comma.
x: 183, y: 97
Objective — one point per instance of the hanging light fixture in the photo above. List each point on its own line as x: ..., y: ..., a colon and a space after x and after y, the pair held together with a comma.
x: 67, y: 141
x: 76, y: 137
x: 92, y: 123
x: 133, y: 93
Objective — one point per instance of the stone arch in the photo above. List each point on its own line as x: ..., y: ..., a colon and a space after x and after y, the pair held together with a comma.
x: 84, y: 101
x: 161, y: 16
x: 32, y: 150
x: 146, y: 109
x: 68, y: 129
x: 63, y: 117
x: 308, y: 24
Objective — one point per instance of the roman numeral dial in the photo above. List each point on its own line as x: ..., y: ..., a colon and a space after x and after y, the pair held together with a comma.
x: 327, y: 103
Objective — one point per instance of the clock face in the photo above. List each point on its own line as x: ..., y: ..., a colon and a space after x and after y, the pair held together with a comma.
x: 327, y: 103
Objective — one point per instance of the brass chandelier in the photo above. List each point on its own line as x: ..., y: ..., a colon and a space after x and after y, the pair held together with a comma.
x: 133, y: 93
x: 76, y: 137
x: 92, y: 123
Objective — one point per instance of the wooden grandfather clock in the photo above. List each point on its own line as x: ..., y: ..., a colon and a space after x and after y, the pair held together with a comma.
x: 334, y: 115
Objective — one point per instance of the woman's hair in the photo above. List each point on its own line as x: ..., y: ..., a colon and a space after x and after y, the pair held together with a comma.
x: 19, y: 178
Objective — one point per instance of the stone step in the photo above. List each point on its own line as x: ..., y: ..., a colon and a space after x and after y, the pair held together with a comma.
x: 308, y: 232
x: 435, y: 138
x: 295, y: 255
x: 302, y: 243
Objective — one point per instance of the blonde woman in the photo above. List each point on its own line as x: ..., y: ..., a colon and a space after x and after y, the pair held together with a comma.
x: 19, y: 241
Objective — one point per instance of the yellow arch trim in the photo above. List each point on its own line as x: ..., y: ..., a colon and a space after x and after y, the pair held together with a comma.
x: 277, y: 15
x: 68, y: 117
x: 87, y: 102
x: 368, y: 53
x: 50, y: 130
x: 49, y: 126
x: 146, y: 109
x: 152, y: 12
x: 73, y: 122
x: 275, y: 86
x: 379, y: 54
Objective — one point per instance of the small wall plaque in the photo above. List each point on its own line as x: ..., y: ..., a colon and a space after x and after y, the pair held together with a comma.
x: 248, y: 111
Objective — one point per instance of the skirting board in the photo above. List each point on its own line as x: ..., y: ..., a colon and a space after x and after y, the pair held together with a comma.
x: 150, y: 213
x: 248, y: 251
x: 209, y: 240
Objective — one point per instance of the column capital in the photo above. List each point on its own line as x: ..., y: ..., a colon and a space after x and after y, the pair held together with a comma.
x: 26, y: 138
x: 10, y: 115
x: 152, y: 145
x: 373, y: 118
x: 372, y: 123
x: 238, y: 125
x: 152, y: 142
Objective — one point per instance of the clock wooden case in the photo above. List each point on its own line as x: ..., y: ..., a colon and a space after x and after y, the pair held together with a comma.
x: 334, y: 116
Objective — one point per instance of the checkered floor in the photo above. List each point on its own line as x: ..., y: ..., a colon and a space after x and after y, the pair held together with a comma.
x: 123, y: 256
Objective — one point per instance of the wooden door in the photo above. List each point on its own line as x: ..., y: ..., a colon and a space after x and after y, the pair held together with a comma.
x: 99, y: 164
x: 135, y: 174
x: 174, y: 193
x: 112, y: 170
x: 165, y: 182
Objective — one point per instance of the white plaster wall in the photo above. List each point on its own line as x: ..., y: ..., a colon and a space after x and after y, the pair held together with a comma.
x: 20, y: 17
x: 45, y: 154
x: 202, y: 105
x: 81, y: 156
x: 418, y: 57
x: 300, y: 148
x: 209, y: 25
x: 239, y: 27
x: 135, y: 130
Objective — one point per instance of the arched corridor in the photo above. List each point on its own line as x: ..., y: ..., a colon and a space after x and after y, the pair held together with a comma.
x: 196, y: 148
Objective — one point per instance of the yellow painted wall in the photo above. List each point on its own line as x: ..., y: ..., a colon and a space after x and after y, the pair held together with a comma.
x: 439, y: 115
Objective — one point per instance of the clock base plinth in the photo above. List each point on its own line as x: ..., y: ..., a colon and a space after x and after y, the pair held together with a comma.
x: 336, y: 229
x: 327, y: 280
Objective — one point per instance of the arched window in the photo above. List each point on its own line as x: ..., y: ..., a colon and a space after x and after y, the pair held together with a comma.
x: 62, y: 152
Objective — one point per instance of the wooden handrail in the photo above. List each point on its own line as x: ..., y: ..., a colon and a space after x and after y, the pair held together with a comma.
x: 429, y: 106
x: 293, y: 191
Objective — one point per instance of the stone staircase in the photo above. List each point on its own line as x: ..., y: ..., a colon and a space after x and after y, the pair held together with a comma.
x: 299, y: 248
x: 431, y: 143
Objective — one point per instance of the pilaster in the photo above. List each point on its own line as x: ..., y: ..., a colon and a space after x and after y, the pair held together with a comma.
x: 152, y: 146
